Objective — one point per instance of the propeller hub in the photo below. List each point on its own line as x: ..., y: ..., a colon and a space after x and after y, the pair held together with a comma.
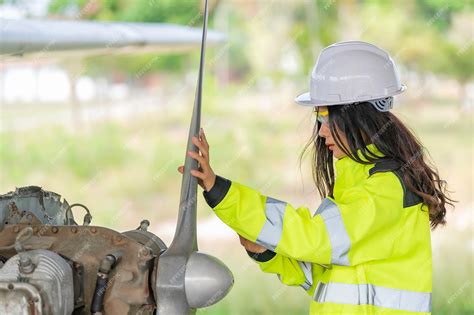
x: 207, y: 280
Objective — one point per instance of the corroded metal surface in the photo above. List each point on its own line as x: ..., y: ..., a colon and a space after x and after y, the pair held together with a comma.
x: 128, y: 290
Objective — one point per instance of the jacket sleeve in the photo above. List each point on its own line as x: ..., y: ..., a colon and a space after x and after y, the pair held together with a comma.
x: 351, y: 230
x: 289, y: 270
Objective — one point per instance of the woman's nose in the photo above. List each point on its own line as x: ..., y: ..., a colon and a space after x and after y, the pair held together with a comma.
x: 324, y: 131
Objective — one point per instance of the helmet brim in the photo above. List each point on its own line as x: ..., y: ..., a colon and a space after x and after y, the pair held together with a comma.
x: 305, y: 99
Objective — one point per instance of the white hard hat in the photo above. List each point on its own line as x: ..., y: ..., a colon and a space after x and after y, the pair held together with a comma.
x: 351, y: 72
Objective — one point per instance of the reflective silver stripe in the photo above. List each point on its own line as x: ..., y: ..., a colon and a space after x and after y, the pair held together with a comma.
x: 270, y: 234
x: 323, y: 206
x: 306, y: 267
x: 369, y: 294
x: 338, y: 237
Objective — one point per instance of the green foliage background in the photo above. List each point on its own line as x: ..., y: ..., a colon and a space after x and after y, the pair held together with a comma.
x: 125, y: 170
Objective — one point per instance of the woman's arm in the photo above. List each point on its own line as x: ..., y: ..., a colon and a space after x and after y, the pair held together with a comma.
x: 349, y: 231
x: 289, y: 270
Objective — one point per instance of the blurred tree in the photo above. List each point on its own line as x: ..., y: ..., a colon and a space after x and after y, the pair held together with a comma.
x: 458, y: 63
x: 417, y: 33
x: 88, y: 9
x: 427, y: 36
x: 236, y: 49
x: 315, y: 26
x: 130, y: 68
x: 442, y: 41
x: 458, y: 52
x: 169, y: 11
x: 183, y: 12
x: 440, y: 12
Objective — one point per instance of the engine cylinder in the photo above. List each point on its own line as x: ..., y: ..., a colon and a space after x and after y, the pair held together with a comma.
x: 44, y: 287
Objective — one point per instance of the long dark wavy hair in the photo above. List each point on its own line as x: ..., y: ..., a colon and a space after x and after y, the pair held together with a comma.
x: 363, y: 124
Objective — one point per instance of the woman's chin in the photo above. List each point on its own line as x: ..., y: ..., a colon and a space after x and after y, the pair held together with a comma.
x: 338, y: 155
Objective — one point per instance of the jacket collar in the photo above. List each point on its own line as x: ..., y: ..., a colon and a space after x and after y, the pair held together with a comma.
x: 344, y: 161
x: 350, y: 173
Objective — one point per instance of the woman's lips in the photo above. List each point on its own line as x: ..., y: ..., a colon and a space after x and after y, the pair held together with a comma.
x: 330, y: 146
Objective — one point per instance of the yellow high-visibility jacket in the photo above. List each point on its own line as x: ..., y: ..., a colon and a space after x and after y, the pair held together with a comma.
x: 365, y: 251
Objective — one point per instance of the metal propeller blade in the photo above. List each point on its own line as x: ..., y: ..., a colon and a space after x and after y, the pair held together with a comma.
x: 187, y: 279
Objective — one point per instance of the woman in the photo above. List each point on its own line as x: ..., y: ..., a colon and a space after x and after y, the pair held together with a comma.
x: 366, y: 249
